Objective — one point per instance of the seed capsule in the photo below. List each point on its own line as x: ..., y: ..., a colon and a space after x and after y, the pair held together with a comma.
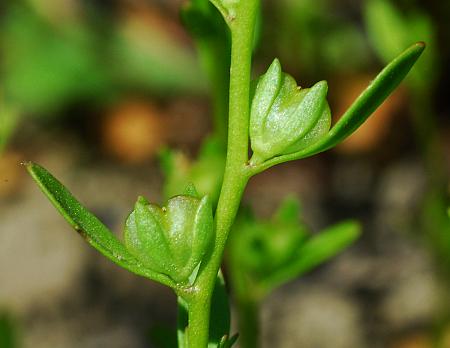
x: 172, y: 240
x: 285, y: 118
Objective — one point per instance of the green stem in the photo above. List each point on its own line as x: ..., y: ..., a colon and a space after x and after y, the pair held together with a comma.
x: 236, y: 174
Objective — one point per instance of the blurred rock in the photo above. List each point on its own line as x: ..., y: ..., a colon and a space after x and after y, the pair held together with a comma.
x: 64, y: 293
x: 11, y: 173
x: 398, y: 198
x: 414, y: 341
x: 88, y: 330
x: 353, y: 180
x: 133, y: 131
x: 374, y: 130
x: 189, y: 122
x: 303, y: 180
x: 312, y: 317
x: 412, y: 300
x: 40, y: 258
x: 446, y: 337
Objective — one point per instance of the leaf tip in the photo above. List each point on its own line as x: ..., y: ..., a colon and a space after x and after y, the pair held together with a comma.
x: 28, y: 165
x: 354, y: 228
x: 421, y: 44
x: 191, y: 191
x: 321, y: 86
x: 417, y: 48
x: 275, y: 66
x: 142, y: 201
x: 33, y: 169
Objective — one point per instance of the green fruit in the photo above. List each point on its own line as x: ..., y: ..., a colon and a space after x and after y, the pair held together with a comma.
x: 171, y: 240
x: 285, y: 118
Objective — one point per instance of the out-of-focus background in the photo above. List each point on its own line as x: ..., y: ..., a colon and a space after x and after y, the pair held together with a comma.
x: 94, y: 90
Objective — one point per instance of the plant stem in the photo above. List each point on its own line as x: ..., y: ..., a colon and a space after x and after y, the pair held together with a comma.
x: 236, y: 174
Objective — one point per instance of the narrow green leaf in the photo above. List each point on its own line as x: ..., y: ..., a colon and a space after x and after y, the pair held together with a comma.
x: 377, y: 92
x: 228, y: 342
x: 88, y: 226
x: 316, y: 251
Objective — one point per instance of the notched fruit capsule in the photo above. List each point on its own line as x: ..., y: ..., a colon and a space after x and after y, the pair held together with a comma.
x: 172, y: 240
x: 285, y: 118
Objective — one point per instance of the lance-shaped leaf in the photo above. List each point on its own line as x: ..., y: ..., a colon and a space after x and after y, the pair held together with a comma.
x: 377, y: 92
x: 88, y: 226
x: 380, y: 88
x: 314, y: 252
x: 228, y: 342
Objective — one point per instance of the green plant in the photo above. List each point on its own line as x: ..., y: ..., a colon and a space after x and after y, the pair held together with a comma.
x: 263, y: 255
x: 182, y: 245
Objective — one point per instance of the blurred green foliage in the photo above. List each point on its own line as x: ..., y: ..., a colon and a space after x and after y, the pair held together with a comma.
x: 389, y: 30
x: 213, y: 43
x: 266, y: 254
x: 8, y: 332
x: 48, y: 66
x: 9, y: 117
x: 312, y: 37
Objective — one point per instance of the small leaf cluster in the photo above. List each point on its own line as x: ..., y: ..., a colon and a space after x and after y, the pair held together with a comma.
x: 269, y: 253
